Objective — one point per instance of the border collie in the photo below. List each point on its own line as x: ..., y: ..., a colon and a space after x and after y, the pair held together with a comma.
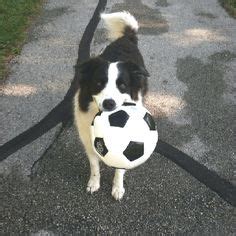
x: 116, y: 76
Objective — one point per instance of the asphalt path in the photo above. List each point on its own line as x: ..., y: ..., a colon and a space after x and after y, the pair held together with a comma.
x: 189, y: 49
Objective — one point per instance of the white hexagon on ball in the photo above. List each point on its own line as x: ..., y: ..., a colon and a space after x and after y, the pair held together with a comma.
x: 124, y: 138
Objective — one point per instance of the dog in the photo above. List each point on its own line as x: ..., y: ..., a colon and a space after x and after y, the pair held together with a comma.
x: 116, y: 76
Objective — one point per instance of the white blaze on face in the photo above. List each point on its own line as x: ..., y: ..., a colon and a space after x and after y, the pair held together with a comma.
x: 111, y: 91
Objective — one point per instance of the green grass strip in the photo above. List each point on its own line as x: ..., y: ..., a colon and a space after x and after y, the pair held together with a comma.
x: 15, y: 18
x: 230, y: 6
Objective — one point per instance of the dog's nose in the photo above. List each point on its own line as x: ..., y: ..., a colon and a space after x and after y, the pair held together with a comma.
x: 109, y: 104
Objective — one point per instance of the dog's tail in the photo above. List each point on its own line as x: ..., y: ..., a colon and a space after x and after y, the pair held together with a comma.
x: 120, y: 24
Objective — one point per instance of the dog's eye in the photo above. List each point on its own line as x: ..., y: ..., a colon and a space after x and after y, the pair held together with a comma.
x: 99, y: 84
x: 122, y: 87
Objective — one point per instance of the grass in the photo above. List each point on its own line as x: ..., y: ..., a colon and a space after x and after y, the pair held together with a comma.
x: 15, y: 18
x: 230, y: 6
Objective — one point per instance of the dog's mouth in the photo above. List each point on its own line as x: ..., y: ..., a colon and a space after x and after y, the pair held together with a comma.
x: 110, y: 104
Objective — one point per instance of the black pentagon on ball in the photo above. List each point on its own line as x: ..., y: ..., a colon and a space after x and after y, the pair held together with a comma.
x: 100, y: 146
x: 118, y: 119
x: 134, y: 150
x: 98, y: 114
x: 150, y: 122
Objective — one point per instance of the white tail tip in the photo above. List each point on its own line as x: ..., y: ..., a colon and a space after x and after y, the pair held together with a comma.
x: 117, y: 22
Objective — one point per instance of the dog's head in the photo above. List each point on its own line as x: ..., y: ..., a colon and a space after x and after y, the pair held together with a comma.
x: 110, y: 84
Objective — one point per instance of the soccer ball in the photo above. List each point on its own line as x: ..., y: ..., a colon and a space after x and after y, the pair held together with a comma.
x: 125, y: 137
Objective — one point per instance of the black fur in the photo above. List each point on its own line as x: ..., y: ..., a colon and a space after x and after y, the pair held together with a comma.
x: 92, y: 79
x: 133, y: 75
x: 123, y: 49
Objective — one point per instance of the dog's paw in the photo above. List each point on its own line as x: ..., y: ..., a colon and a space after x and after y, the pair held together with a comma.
x: 117, y: 192
x: 93, y: 184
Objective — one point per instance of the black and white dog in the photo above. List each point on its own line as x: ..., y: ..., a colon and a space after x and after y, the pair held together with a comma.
x: 116, y: 76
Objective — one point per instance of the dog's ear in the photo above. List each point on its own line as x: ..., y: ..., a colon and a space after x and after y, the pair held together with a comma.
x: 85, y: 73
x: 136, y: 69
x: 87, y: 68
x: 138, y: 79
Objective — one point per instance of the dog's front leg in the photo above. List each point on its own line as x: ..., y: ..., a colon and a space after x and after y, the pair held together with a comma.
x: 118, y: 185
x: 94, y: 180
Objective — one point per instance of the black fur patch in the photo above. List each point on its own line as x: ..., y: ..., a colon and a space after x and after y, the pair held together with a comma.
x: 133, y: 75
x: 133, y: 72
x: 131, y: 35
x: 134, y: 78
x: 123, y: 49
x: 93, y: 78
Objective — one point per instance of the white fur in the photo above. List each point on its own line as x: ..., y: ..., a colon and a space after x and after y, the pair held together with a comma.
x: 118, y: 189
x: 116, y: 23
x: 111, y: 91
x: 83, y: 121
